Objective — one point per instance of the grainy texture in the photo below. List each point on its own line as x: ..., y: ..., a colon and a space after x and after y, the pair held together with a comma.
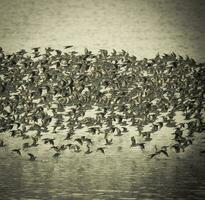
x: 142, y: 27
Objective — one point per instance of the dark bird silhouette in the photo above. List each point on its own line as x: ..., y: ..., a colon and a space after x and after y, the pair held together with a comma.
x: 48, y: 140
x: 134, y: 144
x: 163, y: 152
x: 87, y: 140
x: 26, y: 145
x: 69, y: 136
x: 36, y: 49
x: 108, y: 142
x: 35, y: 142
x: 68, y: 46
x: 79, y: 141
x: 88, y: 150
x: 56, y: 148
x: 158, y: 152
x: 76, y: 149
x: 32, y: 157
x: 176, y: 147
x: 56, y: 155
x: 124, y: 129
x: 18, y: 151
x: 101, y: 149
x: 153, y: 155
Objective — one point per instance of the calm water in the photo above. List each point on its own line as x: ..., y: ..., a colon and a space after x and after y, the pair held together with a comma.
x: 124, y: 174
x: 103, y: 177
x: 141, y: 27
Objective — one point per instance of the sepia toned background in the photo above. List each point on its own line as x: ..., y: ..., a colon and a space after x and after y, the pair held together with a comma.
x: 141, y: 27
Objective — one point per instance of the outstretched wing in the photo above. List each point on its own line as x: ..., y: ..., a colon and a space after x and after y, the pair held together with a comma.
x: 17, y: 151
x: 101, y: 149
x: 152, y: 155
x: 165, y: 153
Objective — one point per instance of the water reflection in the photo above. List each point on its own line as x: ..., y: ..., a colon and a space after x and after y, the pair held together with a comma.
x: 124, y: 176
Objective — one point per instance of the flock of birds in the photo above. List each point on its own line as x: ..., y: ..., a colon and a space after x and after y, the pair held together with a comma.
x: 45, y: 94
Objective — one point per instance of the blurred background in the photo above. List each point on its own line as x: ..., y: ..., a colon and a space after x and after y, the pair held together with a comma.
x: 142, y: 27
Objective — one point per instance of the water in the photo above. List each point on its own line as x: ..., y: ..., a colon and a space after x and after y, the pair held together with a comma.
x: 141, y: 27
x: 122, y: 176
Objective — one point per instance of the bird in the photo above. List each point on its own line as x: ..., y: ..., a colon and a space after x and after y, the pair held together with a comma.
x: 56, y: 155
x: 108, y: 142
x: 32, y: 157
x: 101, y: 149
x: 18, y: 151
x: 48, y: 140
x: 158, y: 152
x: 36, y: 49
x: 160, y: 124
x: 79, y: 140
x: 88, y: 140
x: 124, y: 129
x: 89, y: 151
x: 163, y: 152
x: 69, y: 135
x: 77, y: 149
x: 56, y: 148
x: 146, y: 135
x: 176, y: 147
x: 14, y: 133
x: 68, y: 46
x: 134, y: 144
x: 26, y: 145
x: 35, y: 142
x: 93, y: 130
x: 153, y: 155
x: 58, y: 52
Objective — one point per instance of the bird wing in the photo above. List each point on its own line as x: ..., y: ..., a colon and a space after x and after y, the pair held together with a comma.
x: 69, y: 46
x: 101, y: 149
x: 153, y: 155
x: 79, y: 141
x: 17, y: 151
x: 34, y: 140
x: 31, y: 156
x: 165, y: 153
x: 51, y: 141
x: 56, y: 155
